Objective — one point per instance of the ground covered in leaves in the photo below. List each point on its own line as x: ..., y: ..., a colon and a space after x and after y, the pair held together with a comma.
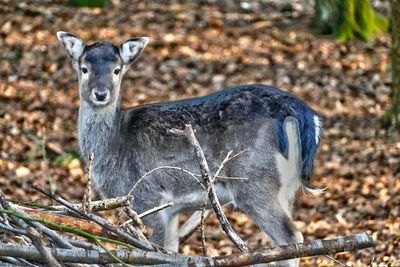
x: 197, y: 48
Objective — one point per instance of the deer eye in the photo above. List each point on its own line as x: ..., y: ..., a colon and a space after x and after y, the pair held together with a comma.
x: 84, y: 70
x: 117, y: 71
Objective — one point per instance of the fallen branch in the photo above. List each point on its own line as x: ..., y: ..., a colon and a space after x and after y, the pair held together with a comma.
x: 78, y: 255
x: 313, y: 248
x: 138, y: 241
x: 59, y: 240
x: 205, y: 172
x: 31, y: 232
x: 94, y: 238
x: 155, y: 209
x: 69, y: 221
x: 38, y: 243
x: 102, y: 205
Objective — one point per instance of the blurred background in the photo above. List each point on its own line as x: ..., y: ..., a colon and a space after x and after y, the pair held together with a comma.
x: 339, y: 64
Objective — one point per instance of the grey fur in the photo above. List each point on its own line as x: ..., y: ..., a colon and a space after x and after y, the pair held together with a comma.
x: 128, y: 143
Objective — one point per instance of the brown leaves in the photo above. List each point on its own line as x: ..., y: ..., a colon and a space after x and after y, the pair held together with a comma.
x: 194, y: 50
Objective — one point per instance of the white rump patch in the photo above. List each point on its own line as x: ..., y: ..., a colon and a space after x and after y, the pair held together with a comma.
x: 289, y: 169
x: 317, y: 125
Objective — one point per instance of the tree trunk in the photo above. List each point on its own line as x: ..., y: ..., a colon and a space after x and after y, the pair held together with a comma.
x: 348, y: 19
x: 392, y: 116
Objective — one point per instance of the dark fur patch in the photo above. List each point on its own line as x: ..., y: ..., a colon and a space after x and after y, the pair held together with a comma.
x: 228, y: 107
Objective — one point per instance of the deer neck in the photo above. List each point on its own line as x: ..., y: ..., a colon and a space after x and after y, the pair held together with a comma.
x: 98, y: 130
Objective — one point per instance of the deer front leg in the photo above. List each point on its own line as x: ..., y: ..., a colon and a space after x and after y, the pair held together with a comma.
x: 165, y: 229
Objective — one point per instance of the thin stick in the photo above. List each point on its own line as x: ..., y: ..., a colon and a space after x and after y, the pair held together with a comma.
x: 134, y: 218
x: 194, y: 175
x: 102, y: 205
x: 64, y: 228
x: 138, y: 217
x: 202, y: 221
x: 48, y: 232
x: 4, y: 216
x: 336, y: 261
x: 38, y: 243
x: 46, y: 173
x: 163, y: 168
x: 190, y: 226
x: 17, y: 262
x: 87, y: 197
x: 156, y: 209
x: 138, y: 241
x: 31, y: 233
x: 12, y: 230
x: 205, y: 172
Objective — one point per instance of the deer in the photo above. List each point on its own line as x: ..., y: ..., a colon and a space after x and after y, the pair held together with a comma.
x: 280, y: 133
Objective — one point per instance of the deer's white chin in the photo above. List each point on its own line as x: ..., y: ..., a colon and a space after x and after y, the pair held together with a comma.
x: 100, y: 103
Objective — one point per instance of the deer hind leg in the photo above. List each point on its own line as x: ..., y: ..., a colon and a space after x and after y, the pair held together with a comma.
x: 157, y: 224
x: 273, y: 220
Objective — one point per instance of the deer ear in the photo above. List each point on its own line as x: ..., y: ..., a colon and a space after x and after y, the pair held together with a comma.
x: 130, y: 49
x: 72, y: 45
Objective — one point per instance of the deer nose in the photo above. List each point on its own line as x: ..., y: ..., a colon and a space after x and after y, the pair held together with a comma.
x: 100, y: 95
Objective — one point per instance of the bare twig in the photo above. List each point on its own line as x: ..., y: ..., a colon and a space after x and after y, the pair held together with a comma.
x: 62, y: 242
x: 156, y: 209
x: 134, y: 218
x: 194, y: 175
x: 87, y: 197
x: 83, y: 244
x: 205, y: 172
x: 4, y: 216
x: 16, y: 262
x: 13, y: 230
x: 163, y: 168
x: 46, y: 170
x: 58, y: 239
x: 228, y: 158
x: 336, y: 261
x: 138, y: 241
x: 137, y: 218
x: 38, y: 242
x: 190, y: 226
x: 202, y: 221
x: 31, y: 233
x: 101, y: 205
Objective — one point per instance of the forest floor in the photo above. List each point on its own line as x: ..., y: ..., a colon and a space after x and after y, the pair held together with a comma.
x: 197, y: 49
